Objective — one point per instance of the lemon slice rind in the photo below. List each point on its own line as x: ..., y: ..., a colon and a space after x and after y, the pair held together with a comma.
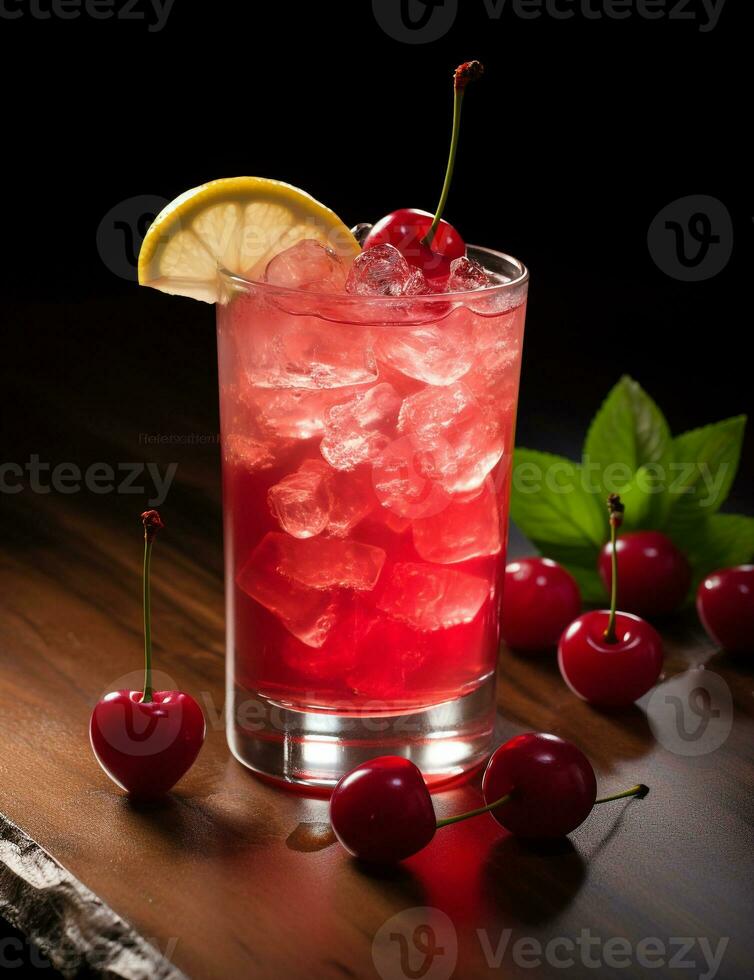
x: 235, y: 223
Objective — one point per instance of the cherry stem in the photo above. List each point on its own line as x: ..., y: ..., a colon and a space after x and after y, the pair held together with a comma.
x: 474, y: 813
x: 615, y: 509
x: 639, y: 791
x: 147, y: 695
x: 464, y: 74
x: 152, y: 524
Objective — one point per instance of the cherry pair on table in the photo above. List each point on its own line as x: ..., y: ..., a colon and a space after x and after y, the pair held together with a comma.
x: 536, y: 785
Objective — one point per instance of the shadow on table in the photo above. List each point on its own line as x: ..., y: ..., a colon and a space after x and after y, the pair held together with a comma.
x: 398, y: 881
x: 188, y: 824
x: 532, y: 882
x: 627, y: 732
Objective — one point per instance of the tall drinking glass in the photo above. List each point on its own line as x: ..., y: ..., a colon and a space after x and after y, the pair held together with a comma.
x: 367, y: 446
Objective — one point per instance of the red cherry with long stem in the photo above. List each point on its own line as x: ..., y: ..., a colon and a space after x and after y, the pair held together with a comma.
x: 725, y: 603
x: 427, y: 241
x: 610, y: 658
x: 146, y: 740
x: 540, y: 598
x: 654, y: 575
x: 381, y: 811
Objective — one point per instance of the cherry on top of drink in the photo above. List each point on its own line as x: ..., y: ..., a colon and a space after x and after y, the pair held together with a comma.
x: 406, y: 229
x: 426, y: 241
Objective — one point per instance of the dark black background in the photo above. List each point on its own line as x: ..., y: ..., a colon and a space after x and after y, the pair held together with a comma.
x: 581, y: 131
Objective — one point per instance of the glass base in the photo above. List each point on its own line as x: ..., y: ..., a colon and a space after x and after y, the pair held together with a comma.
x: 313, y: 750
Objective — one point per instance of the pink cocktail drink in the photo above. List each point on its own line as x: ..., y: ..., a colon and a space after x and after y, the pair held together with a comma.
x: 367, y: 445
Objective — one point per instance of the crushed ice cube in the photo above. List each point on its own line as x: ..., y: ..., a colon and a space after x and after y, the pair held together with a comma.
x: 432, y: 597
x: 296, y: 413
x: 309, y: 614
x: 253, y: 453
x: 301, y: 500
x: 397, y: 524
x: 354, y: 430
x: 351, y: 500
x: 436, y: 353
x: 401, y: 487
x: 307, y: 265
x: 461, y: 531
x: 455, y: 444
x: 329, y: 563
x: 279, y: 349
x: 493, y: 378
x: 416, y: 284
x: 466, y: 274
x: 379, y: 271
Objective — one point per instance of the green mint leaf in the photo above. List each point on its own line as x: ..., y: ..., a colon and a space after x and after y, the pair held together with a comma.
x: 629, y: 428
x: 627, y: 450
x: 646, y: 499
x: 704, y: 466
x: 551, y: 505
x: 717, y: 541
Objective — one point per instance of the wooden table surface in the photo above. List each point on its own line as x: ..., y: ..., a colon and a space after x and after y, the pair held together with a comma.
x: 231, y: 877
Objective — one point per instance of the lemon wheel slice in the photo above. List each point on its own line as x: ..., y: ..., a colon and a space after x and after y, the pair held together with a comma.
x: 237, y: 223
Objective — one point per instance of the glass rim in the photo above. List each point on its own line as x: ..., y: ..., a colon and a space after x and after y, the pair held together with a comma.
x: 350, y: 298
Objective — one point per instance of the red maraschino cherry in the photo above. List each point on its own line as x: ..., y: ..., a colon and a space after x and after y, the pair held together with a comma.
x: 549, y: 784
x: 725, y: 603
x: 610, y: 658
x: 540, y: 598
x: 654, y: 575
x: 427, y: 241
x: 381, y: 811
x: 146, y: 740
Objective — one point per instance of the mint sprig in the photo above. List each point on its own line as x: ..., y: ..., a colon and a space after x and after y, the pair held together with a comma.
x: 676, y: 485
